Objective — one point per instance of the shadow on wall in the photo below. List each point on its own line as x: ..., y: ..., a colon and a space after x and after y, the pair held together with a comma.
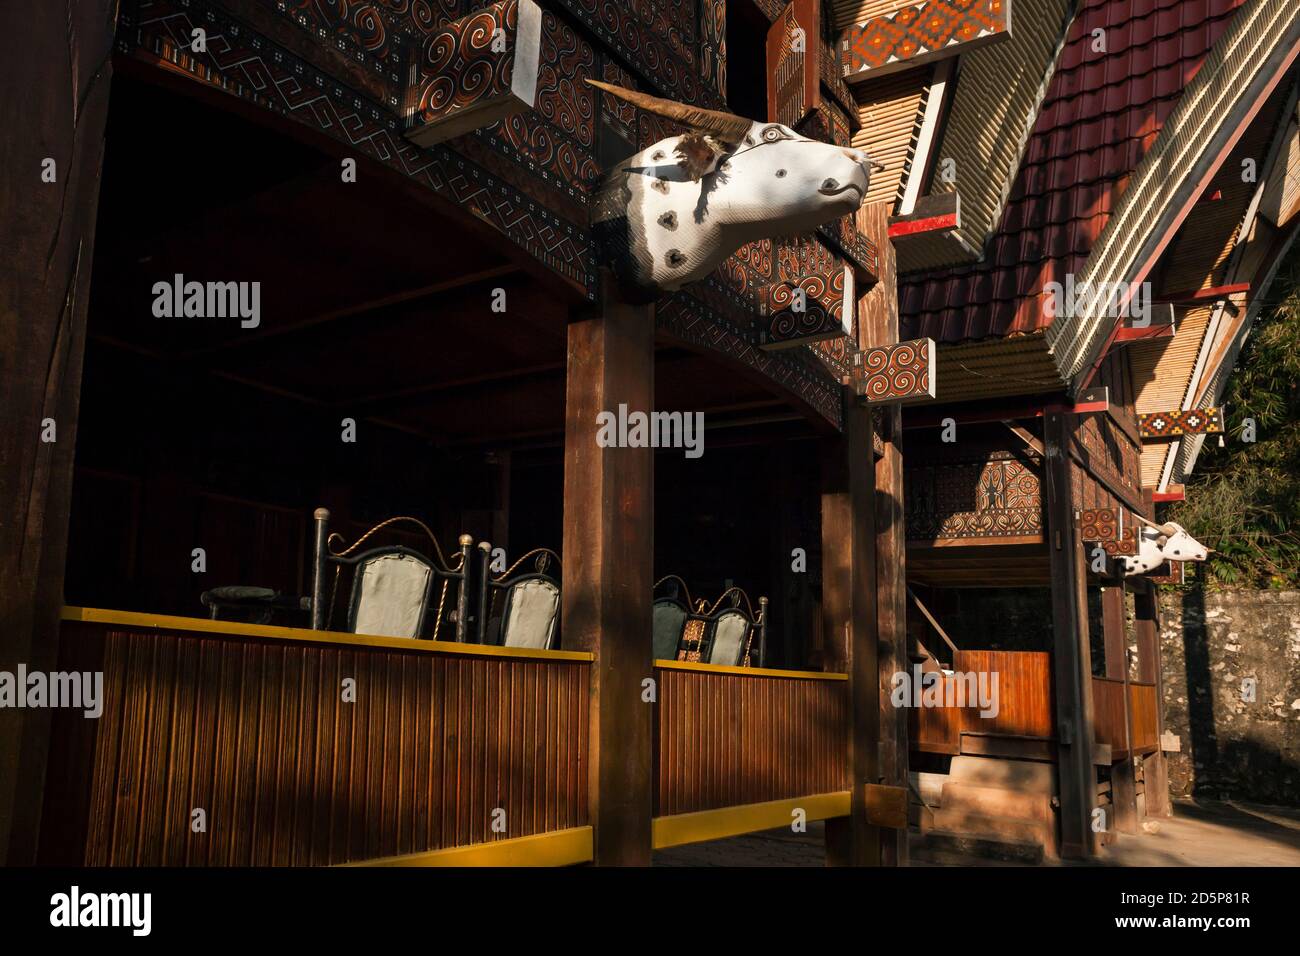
x: 1232, y: 693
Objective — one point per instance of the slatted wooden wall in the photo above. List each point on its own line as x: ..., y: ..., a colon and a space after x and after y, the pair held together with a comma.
x: 725, y: 739
x: 1108, y: 714
x: 1024, y: 692
x: 255, y: 732
x: 1142, y: 706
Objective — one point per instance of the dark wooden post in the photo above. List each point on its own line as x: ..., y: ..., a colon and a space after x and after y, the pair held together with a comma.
x: 849, y: 620
x: 55, y: 106
x: 1146, y: 626
x: 1072, y: 658
x: 1123, y: 784
x: 608, y: 559
x: 878, y: 325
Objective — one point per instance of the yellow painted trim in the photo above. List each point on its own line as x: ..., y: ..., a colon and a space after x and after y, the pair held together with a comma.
x: 748, y: 671
x: 718, y: 824
x: 167, y: 622
x: 557, y: 848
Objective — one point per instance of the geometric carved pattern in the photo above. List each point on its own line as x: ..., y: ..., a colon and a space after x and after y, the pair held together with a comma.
x: 997, y: 497
x: 1126, y: 545
x: 655, y: 38
x: 921, y: 32
x: 248, y: 66
x: 816, y: 311
x: 1191, y: 421
x: 900, y: 372
x: 689, y: 318
x: 1099, y: 524
x: 466, y: 73
x: 793, y: 54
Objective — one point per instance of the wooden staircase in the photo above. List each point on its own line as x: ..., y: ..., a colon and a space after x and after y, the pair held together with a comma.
x: 994, y: 809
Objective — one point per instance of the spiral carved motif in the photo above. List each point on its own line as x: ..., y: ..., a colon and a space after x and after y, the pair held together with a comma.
x: 893, y: 372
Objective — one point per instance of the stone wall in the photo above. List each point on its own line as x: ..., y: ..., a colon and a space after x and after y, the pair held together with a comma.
x: 1233, y: 747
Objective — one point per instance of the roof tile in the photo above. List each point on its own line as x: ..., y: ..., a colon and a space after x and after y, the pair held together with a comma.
x: 1100, y: 115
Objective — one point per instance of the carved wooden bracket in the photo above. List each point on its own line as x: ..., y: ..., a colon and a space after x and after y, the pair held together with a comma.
x: 485, y: 68
x: 902, y: 372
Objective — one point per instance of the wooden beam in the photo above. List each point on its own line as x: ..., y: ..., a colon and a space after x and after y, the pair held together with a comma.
x: 1123, y: 793
x: 58, y: 69
x: 608, y: 547
x: 849, y: 619
x: 1212, y: 294
x: 1026, y: 437
x: 1146, y: 626
x: 390, y: 298
x: 1093, y: 400
x: 1172, y: 493
x: 1071, y: 662
x: 878, y: 325
x: 938, y: 212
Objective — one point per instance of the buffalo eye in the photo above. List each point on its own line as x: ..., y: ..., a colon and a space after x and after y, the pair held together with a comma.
x: 772, y: 134
x: 780, y: 174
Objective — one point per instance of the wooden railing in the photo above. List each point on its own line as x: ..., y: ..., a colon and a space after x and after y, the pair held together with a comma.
x: 1145, y: 726
x: 732, y: 737
x: 233, y: 744
x: 1108, y: 720
x: 1024, y: 701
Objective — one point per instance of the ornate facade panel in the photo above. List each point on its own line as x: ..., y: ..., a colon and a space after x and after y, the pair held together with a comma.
x: 245, y: 64
x: 691, y: 321
x: 806, y: 299
x: 1098, y: 524
x: 713, y: 44
x: 920, y: 32
x: 464, y: 66
x: 1125, y: 544
x: 997, y: 497
x: 793, y: 57
x: 656, y: 40
x: 1191, y: 421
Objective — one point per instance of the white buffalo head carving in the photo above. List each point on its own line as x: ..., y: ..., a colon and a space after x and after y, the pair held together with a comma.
x: 1158, y: 543
x: 673, y: 212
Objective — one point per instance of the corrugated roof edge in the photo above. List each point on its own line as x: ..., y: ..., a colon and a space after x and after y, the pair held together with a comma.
x: 936, y: 254
x: 1237, y: 76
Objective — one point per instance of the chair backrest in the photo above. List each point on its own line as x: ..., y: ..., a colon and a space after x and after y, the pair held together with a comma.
x: 528, y: 599
x: 728, y: 643
x: 669, y: 622
x: 395, y: 589
x: 391, y: 593
x: 530, y: 614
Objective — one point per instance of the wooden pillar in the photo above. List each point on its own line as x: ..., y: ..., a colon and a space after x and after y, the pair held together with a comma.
x: 608, y: 556
x: 1146, y: 626
x: 878, y: 325
x: 849, y: 620
x: 1072, y: 656
x: 54, y: 102
x: 1123, y: 783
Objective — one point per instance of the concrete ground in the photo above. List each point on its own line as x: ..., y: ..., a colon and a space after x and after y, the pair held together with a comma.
x: 1200, y: 833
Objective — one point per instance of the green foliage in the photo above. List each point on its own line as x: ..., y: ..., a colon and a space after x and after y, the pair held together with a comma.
x: 1244, y: 499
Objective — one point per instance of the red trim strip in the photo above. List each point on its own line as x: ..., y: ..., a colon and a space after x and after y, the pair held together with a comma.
x: 909, y: 227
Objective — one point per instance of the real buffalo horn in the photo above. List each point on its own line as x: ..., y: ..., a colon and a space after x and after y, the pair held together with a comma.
x: 725, y: 126
x: 1162, y: 528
